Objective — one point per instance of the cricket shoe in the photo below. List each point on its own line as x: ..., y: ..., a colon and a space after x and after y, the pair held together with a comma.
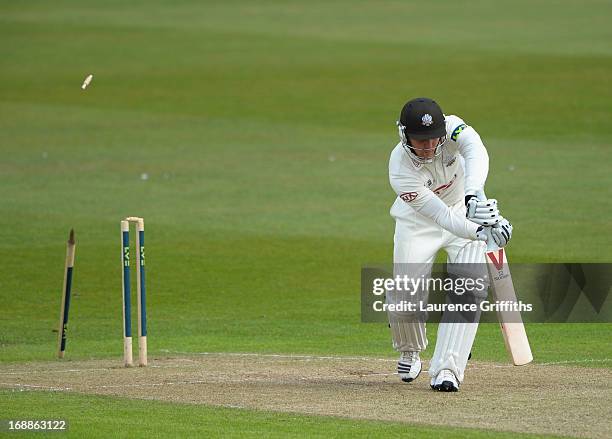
x: 445, y: 382
x: 409, y: 366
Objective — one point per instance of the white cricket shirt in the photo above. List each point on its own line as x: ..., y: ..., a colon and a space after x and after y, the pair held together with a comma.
x: 430, y: 188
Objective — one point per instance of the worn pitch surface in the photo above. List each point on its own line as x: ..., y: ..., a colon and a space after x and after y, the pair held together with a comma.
x: 543, y: 399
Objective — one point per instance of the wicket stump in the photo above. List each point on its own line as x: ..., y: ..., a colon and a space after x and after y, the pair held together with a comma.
x: 65, y: 307
x: 140, y: 285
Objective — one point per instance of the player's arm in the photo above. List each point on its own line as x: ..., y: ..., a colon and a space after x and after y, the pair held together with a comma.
x: 479, y: 209
x: 474, y: 154
x: 424, y: 201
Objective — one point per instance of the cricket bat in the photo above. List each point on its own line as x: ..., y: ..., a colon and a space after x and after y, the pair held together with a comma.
x: 511, y: 322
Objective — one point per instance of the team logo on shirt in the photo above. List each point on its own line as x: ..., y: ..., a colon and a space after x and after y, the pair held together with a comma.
x: 427, y: 119
x: 429, y: 183
x: 442, y: 188
x: 457, y: 131
x: 451, y: 161
x: 409, y: 196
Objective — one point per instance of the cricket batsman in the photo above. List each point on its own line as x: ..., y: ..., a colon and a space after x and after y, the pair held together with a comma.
x: 438, y: 171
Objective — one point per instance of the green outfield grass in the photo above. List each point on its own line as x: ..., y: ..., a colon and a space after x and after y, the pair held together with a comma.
x: 101, y: 417
x: 254, y: 139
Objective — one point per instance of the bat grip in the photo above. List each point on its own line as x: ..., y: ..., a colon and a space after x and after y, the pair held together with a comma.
x: 491, y: 246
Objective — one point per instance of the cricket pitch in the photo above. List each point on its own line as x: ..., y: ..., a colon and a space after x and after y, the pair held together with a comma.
x: 544, y: 399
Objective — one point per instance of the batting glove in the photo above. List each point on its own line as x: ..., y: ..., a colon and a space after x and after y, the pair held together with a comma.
x: 502, y: 232
x: 484, y: 213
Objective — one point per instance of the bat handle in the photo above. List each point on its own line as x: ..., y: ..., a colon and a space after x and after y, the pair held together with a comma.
x: 491, y: 246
